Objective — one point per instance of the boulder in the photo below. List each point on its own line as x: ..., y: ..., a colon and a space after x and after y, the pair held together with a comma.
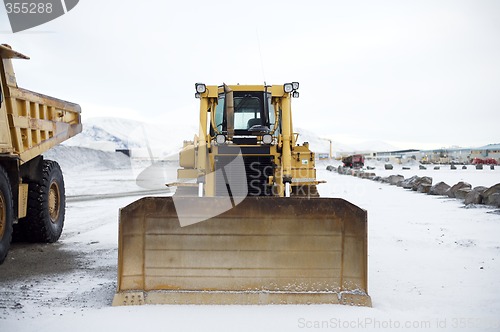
x: 388, y: 166
x: 494, y: 199
x: 436, y: 167
x: 462, y: 193
x: 424, y: 188
x: 420, y: 181
x: 376, y: 178
x: 453, y: 190
x: 370, y: 168
x: 330, y: 168
x: 479, y: 166
x: 464, y: 167
x: 394, y: 179
x: 439, y: 189
x: 408, y: 183
x: 492, y: 166
x: 453, y: 167
x: 406, y: 168
x: 475, y: 196
x: 421, y: 167
x: 367, y: 175
x: 488, y: 193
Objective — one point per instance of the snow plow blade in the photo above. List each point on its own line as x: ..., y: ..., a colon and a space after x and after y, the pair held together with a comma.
x: 265, y: 250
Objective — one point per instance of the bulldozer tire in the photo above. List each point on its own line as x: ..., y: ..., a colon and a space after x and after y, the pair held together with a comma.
x: 6, y: 215
x: 46, y: 206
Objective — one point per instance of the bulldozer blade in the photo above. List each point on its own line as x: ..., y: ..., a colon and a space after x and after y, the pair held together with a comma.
x: 265, y: 250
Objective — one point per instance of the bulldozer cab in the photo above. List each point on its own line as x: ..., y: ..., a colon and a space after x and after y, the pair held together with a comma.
x: 253, y: 113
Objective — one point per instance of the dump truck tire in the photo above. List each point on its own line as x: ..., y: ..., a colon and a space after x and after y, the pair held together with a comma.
x: 6, y: 215
x: 46, y: 205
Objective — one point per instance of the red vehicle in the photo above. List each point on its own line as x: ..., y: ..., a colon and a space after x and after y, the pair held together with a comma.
x: 355, y: 160
x: 486, y: 161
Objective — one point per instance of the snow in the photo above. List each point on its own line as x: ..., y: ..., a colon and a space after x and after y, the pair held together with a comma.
x: 433, y: 264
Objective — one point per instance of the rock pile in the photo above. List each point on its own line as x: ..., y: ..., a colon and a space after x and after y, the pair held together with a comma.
x: 461, y: 190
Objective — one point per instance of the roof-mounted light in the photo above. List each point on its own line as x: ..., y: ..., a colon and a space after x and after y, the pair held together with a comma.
x: 288, y: 87
x: 295, y: 86
x: 295, y: 94
x: 200, y: 88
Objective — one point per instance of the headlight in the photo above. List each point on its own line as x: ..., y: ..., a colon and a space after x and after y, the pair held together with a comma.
x: 288, y: 87
x: 267, y: 139
x: 200, y: 87
x: 295, y: 85
x: 220, y: 139
x: 295, y: 94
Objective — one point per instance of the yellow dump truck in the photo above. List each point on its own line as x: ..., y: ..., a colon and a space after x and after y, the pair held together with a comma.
x: 32, y: 201
x: 246, y: 224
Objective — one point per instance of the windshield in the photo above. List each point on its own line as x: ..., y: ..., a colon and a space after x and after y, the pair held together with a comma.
x: 248, y: 111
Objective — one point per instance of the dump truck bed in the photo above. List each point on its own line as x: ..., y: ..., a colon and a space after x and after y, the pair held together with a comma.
x: 30, y: 122
x: 264, y: 250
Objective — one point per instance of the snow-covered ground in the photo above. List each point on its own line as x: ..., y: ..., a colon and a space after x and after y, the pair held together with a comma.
x: 433, y: 265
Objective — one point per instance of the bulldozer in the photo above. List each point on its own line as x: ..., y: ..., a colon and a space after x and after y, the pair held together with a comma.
x: 246, y: 224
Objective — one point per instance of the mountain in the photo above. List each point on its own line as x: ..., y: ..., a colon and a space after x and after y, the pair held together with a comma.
x: 109, y: 134
x: 164, y: 140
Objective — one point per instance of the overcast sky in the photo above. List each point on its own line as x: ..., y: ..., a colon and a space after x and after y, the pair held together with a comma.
x: 416, y: 74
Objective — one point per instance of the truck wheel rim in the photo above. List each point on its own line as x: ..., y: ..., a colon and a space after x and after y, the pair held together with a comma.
x: 54, y: 202
x: 3, y: 215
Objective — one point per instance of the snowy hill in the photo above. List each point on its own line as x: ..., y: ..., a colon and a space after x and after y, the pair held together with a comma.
x: 164, y: 140
x: 108, y: 134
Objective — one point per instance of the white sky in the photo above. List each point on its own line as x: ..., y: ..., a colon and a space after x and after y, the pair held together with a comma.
x: 417, y: 74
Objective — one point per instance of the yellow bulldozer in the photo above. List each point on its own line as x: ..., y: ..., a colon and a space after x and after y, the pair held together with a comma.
x: 246, y: 224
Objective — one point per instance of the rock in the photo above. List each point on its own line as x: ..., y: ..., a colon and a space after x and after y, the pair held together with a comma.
x: 453, y: 167
x: 494, y: 199
x: 479, y: 166
x: 394, y: 179
x: 388, y: 166
x: 408, y: 183
x: 406, y: 167
x: 461, y: 185
x: 488, y: 193
x: 462, y: 193
x: 421, y: 167
x: 475, y: 196
x: 370, y: 168
x: 492, y: 167
x: 464, y: 167
x: 439, y: 189
x: 424, y: 188
x: 330, y: 168
x: 377, y: 178
x: 436, y: 167
x: 420, y: 181
x: 340, y: 169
